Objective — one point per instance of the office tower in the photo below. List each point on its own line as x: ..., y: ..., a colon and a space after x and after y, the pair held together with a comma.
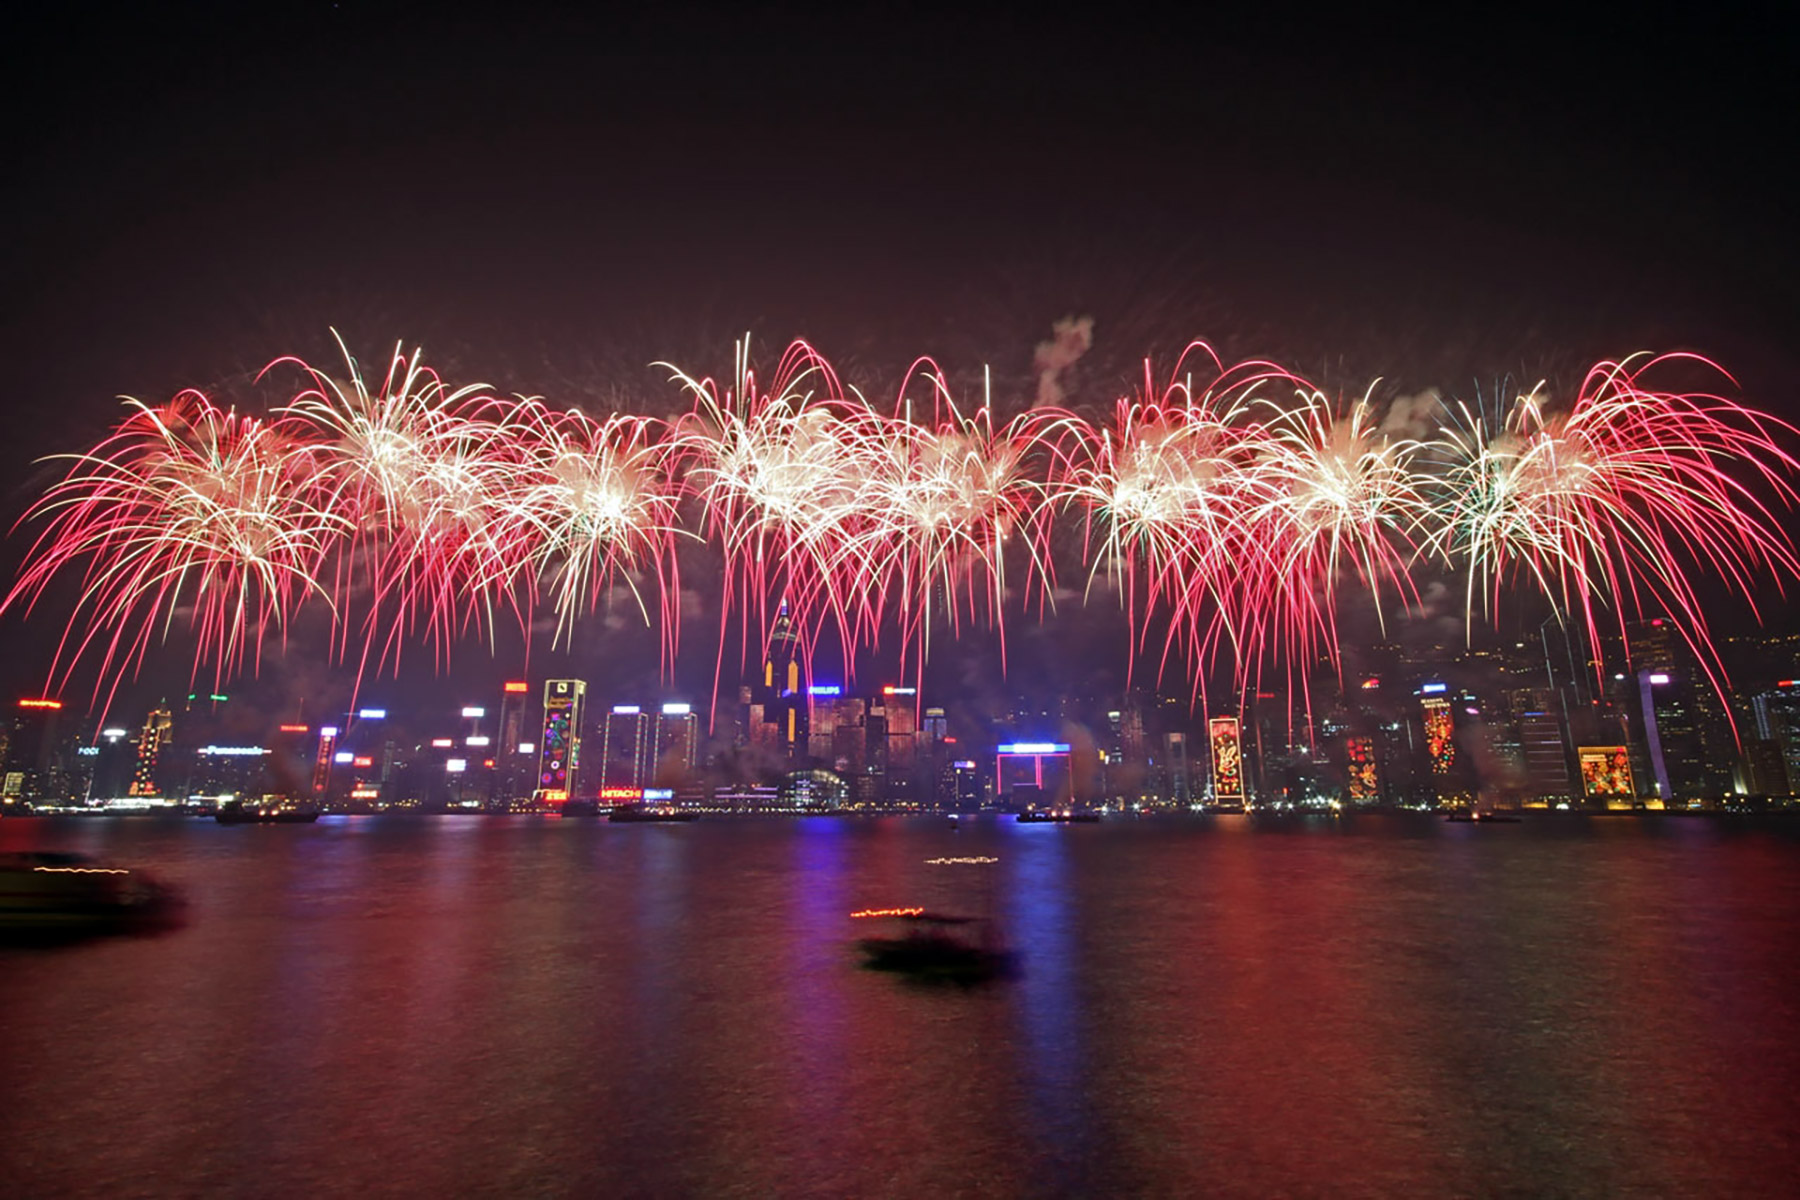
x: 512, y: 767
x: 158, y: 729
x: 31, y: 760
x: 1684, y: 727
x: 1777, y: 713
x: 1362, y: 778
x: 781, y: 695
x: 676, y: 751
x: 559, y: 747
x: 626, y: 747
x: 1545, y: 751
x: 1225, y: 749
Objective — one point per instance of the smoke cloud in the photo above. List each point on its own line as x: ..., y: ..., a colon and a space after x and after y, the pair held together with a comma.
x: 1070, y: 338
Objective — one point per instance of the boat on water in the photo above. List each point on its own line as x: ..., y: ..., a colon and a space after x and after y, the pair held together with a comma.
x: 938, y: 948
x: 639, y: 812
x: 265, y: 812
x: 1483, y: 818
x: 51, y: 895
x: 1060, y: 815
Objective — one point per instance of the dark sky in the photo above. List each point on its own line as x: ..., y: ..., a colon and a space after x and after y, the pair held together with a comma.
x: 550, y: 203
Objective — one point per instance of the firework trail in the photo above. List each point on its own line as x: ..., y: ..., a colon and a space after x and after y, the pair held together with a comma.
x: 184, y: 507
x: 940, y: 503
x: 416, y: 477
x: 1604, y: 506
x: 588, y: 504
x: 1235, y: 506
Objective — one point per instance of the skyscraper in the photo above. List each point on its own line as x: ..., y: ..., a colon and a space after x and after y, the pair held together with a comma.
x: 779, y: 702
x: 676, y: 750
x: 158, y: 728
x: 1777, y: 713
x: 626, y: 749
x: 31, y: 751
x: 559, y: 749
x: 510, y: 765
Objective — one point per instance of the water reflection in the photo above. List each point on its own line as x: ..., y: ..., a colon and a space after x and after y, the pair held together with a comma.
x: 1220, y: 1005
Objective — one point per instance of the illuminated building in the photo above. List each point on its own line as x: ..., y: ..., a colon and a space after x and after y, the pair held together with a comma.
x: 225, y: 770
x: 1175, y: 769
x: 676, y: 748
x: 1765, y: 768
x: 1777, y: 713
x: 779, y: 701
x: 901, y: 704
x: 625, y: 747
x: 822, y: 723
x: 1545, y: 751
x: 1362, y: 782
x: 512, y: 766
x: 323, y: 759
x: 814, y: 788
x: 965, y: 785
x: 559, y: 754
x: 1683, y: 728
x: 158, y: 728
x: 1027, y: 774
x: 1440, y: 732
x: 1226, y: 750
x: 289, y: 765
x: 1606, y: 774
x: 31, y: 764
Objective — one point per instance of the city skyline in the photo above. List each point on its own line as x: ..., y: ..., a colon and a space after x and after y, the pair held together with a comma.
x: 1520, y: 723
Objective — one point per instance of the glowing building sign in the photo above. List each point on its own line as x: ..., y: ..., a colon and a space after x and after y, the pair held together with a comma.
x: 1440, y: 735
x: 1227, y: 759
x: 559, y: 761
x: 326, y: 756
x: 1606, y: 773
x: 1361, y: 784
x: 517, y: 686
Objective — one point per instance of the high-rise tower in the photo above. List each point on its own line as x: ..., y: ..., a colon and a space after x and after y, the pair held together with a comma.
x: 559, y: 750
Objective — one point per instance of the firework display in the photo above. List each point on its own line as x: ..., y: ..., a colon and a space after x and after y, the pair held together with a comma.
x: 1232, y: 508
x: 1606, y: 773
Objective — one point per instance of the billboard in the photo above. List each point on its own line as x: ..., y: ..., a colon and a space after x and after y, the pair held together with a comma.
x: 1606, y: 773
x: 1440, y: 735
x: 1227, y: 759
x: 1362, y: 785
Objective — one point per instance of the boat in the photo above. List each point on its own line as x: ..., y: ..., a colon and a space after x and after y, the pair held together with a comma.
x: 637, y: 812
x: 1061, y: 816
x: 52, y: 895
x: 938, y: 948
x: 1483, y: 818
x: 581, y: 808
x: 266, y: 812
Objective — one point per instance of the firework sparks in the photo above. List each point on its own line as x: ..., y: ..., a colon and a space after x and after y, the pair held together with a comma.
x: 1238, y: 510
x: 185, y: 506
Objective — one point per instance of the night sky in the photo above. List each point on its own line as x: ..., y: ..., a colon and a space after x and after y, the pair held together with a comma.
x: 550, y: 204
